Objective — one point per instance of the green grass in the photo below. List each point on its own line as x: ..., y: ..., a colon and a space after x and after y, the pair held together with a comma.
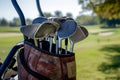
x: 93, y: 52
x: 9, y: 36
x: 97, y: 57
x: 9, y: 29
x: 6, y: 43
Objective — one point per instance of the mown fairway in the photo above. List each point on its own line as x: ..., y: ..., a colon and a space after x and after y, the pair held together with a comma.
x: 97, y: 57
x: 8, y: 38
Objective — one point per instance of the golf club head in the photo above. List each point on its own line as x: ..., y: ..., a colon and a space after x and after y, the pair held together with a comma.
x: 39, y: 20
x: 29, y: 30
x: 80, y: 34
x: 56, y: 19
x: 40, y: 30
x: 67, y: 29
x: 47, y: 28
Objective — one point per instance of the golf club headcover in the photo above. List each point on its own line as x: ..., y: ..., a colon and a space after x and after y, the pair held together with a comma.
x: 39, y: 64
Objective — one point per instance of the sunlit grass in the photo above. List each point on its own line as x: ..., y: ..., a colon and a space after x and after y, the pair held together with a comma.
x: 9, y: 29
x: 7, y: 42
x: 89, y: 55
x: 89, y: 52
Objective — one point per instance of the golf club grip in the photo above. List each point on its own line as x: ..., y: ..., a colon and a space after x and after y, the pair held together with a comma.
x: 20, y: 13
x: 39, y: 8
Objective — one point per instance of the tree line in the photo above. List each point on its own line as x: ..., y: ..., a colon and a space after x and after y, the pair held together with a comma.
x: 16, y: 21
x: 105, y: 12
x: 108, y: 11
x: 81, y: 19
x: 13, y: 23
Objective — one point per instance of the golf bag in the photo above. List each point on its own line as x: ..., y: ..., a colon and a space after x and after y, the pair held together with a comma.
x: 39, y: 64
x: 36, y: 63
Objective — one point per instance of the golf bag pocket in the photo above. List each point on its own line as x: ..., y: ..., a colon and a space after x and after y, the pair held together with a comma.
x: 38, y: 64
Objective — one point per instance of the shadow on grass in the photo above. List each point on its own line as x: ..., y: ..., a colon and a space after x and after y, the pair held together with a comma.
x: 112, y: 66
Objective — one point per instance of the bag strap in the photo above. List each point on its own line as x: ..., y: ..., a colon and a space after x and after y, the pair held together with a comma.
x: 33, y: 73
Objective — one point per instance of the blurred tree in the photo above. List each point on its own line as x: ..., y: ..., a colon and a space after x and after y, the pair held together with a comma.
x: 58, y: 14
x: 110, y: 22
x: 11, y: 24
x: 28, y: 21
x: 87, y: 20
x: 108, y: 9
x: 3, y: 22
x: 69, y: 15
x: 15, y: 22
x: 46, y: 14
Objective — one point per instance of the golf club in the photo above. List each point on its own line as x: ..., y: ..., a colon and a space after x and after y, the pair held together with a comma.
x: 39, y: 20
x: 80, y: 34
x: 59, y: 21
x: 66, y: 29
x: 50, y: 37
x: 40, y: 30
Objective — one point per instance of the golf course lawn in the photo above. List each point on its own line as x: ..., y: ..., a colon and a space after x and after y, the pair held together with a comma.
x: 97, y: 57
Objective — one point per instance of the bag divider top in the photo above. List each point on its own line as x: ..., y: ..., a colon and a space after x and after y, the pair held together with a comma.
x: 45, y: 49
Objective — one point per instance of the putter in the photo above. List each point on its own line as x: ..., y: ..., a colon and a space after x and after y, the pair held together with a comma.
x: 67, y: 29
x: 80, y: 34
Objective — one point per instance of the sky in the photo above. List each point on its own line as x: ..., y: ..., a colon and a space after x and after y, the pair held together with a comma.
x: 30, y: 10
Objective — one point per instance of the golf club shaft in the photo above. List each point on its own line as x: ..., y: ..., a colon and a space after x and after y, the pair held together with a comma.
x: 71, y: 46
x: 57, y: 44
x: 50, y: 42
x: 40, y: 43
x: 36, y: 42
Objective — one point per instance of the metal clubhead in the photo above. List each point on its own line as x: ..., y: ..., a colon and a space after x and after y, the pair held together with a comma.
x: 40, y: 30
x: 39, y: 20
x: 56, y: 19
x: 67, y: 29
x: 80, y: 34
x: 46, y: 29
x: 29, y: 30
